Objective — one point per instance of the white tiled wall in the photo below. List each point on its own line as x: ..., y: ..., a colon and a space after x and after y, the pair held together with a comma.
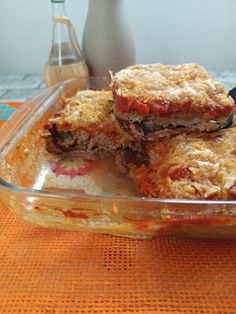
x: 20, y: 87
x: 169, y: 31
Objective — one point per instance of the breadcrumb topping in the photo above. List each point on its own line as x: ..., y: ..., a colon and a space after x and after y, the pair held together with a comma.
x: 173, y: 87
x: 190, y: 167
x: 88, y: 108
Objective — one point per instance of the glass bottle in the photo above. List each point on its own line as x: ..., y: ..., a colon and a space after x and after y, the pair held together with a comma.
x: 108, y: 42
x: 65, y: 61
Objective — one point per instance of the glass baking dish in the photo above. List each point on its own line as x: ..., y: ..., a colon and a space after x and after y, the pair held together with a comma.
x: 45, y: 193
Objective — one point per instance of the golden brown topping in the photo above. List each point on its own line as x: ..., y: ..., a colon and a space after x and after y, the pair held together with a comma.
x: 166, y: 85
x: 191, y: 167
x: 87, y: 107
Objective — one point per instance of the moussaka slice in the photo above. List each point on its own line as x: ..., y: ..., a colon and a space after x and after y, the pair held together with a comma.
x: 86, y: 127
x: 190, y: 167
x: 155, y: 101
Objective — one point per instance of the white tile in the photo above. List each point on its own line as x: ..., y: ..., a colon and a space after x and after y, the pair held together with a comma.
x: 42, y: 85
x: 20, y: 94
x: 2, y: 92
x: 33, y: 80
x: 11, y: 77
x: 7, y: 81
x: 20, y: 81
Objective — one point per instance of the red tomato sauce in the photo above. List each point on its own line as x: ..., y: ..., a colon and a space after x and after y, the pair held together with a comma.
x: 125, y: 105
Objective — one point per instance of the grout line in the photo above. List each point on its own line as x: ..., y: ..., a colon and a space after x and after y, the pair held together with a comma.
x: 2, y: 95
x: 25, y: 77
x: 38, y: 86
x: 42, y: 84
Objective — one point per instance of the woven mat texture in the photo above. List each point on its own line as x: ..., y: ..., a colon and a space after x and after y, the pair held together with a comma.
x: 50, y: 271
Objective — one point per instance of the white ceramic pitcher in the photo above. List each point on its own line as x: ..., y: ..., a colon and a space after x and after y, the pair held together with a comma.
x: 108, y: 42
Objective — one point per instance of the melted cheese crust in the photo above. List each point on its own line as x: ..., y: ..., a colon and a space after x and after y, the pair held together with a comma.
x: 182, y: 85
x: 88, y: 109
x: 190, y: 167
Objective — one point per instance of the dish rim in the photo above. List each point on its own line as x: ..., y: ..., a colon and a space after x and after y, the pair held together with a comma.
x: 11, y: 135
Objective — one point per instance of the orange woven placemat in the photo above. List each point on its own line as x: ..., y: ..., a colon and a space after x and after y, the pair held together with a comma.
x: 50, y: 271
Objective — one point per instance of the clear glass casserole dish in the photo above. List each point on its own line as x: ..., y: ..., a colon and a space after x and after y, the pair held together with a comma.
x: 52, y: 195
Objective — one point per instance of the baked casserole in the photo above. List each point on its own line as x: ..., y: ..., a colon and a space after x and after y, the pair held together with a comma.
x: 155, y: 101
x: 86, y: 126
x: 190, y: 167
